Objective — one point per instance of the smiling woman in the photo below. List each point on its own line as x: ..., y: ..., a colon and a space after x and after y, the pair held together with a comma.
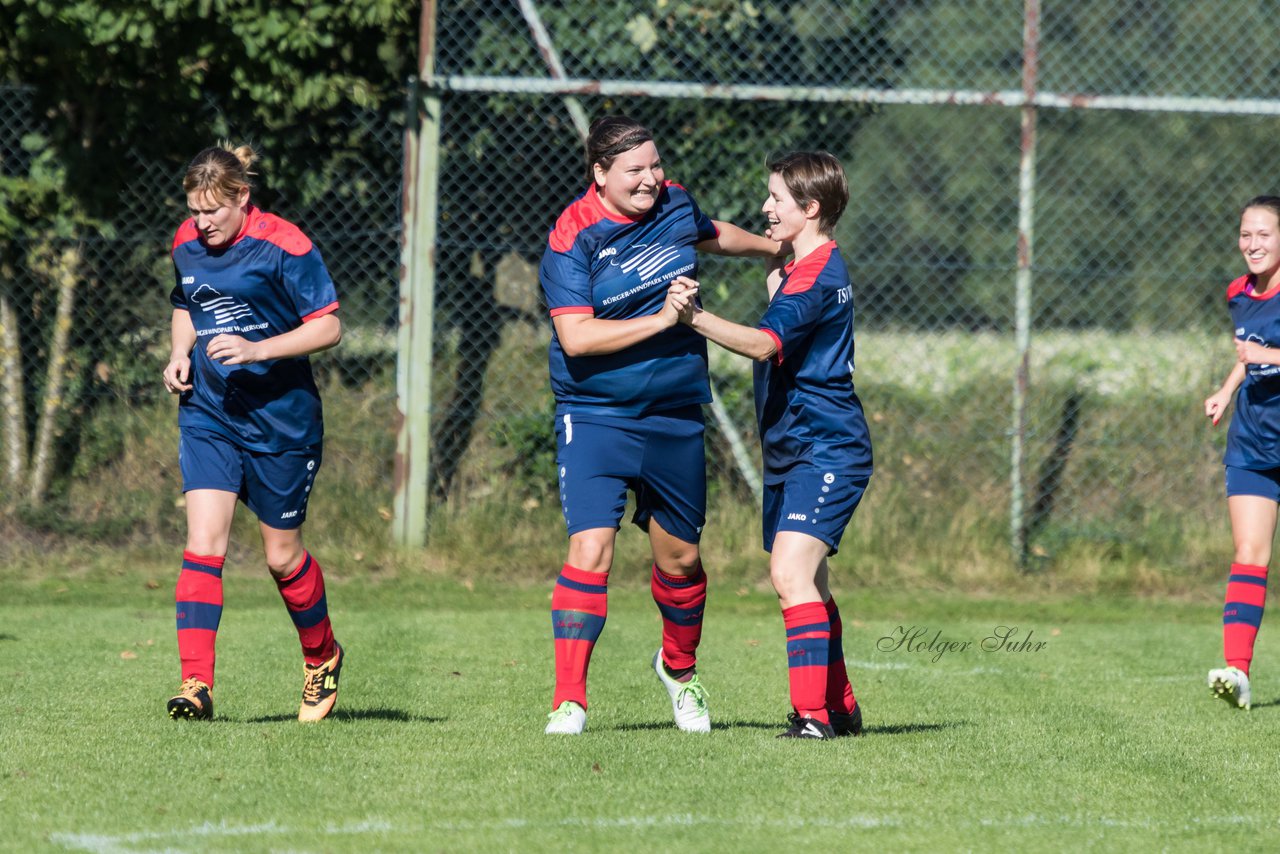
x: 813, y: 434
x: 1252, y: 462
x: 629, y: 383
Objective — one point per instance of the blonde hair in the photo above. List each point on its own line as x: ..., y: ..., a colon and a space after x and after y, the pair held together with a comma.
x: 223, y: 171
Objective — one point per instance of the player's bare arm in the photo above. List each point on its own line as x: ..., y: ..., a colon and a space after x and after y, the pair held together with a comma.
x: 584, y: 335
x: 1253, y: 353
x: 311, y: 337
x: 743, y: 340
x: 773, y: 270
x: 182, y: 337
x: 739, y: 242
x: 1216, y: 404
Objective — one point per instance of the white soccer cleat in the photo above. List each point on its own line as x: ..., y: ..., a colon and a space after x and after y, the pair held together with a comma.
x: 688, y: 699
x: 568, y: 719
x: 1231, y: 685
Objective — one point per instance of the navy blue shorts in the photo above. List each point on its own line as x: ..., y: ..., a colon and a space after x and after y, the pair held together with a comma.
x: 274, y: 486
x: 1265, y: 483
x: 659, y: 457
x: 814, y: 502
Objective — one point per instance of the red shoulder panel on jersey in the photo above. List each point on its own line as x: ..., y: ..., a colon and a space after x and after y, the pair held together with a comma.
x: 328, y: 309
x: 581, y: 214
x: 186, y: 233
x: 1237, y: 287
x: 804, y: 272
x: 572, y: 309
x: 279, y: 232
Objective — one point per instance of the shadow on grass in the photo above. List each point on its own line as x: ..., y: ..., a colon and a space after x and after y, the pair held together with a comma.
x: 4, y: 637
x: 353, y: 715
x: 907, y: 729
x: 1275, y: 702
x: 717, y: 725
x: 884, y: 729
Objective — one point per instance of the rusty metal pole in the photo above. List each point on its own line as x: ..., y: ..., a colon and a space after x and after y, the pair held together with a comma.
x: 551, y: 57
x: 1023, y: 279
x: 417, y: 293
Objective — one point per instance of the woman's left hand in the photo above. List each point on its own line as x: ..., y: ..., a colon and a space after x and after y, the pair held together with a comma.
x: 234, y: 350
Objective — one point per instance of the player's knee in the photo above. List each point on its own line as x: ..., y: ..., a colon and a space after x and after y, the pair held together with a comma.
x: 281, y: 560
x: 681, y: 561
x: 787, y: 583
x: 591, y: 554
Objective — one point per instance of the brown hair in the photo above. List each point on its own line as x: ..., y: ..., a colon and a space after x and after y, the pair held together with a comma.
x: 223, y: 171
x: 1271, y: 203
x: 815, y: 176
x: 610, y: 136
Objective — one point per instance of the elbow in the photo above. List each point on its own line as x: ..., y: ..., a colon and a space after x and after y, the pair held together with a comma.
x: 571, y: 349
x: 335, y: 335
x: 768, y: 347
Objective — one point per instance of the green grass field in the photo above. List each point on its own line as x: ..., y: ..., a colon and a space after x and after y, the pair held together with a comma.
x: 1105, y: 737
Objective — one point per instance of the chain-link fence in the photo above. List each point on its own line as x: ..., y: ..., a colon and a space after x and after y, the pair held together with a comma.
x: 110, y: 279
x: 1150, y: 132
x: 1148, y: 135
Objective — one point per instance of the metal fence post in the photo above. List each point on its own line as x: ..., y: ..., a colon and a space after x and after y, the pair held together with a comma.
x: 417, y: 295
x: 1022, y: 280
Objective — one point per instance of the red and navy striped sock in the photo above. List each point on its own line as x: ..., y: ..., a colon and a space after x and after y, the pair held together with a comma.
x: 199, y: 606
x: 579, y: 606
x: 1242, y: 613
x: 808, y: 637
x: 303, y: 593
x: 681, y: 601
x: 839, y: 692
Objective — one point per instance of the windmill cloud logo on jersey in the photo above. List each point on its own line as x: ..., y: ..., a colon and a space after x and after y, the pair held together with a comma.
x: 651, y: 258
x: 225, y: 309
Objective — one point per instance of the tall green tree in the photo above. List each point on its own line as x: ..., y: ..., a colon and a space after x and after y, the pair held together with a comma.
x: 121, y: 89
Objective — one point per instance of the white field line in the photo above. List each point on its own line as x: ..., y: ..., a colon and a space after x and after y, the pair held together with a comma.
x: 134, y: 843
x: 137, y: 843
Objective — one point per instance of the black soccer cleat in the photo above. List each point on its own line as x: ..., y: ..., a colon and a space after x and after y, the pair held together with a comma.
x: 807, y: 728
x: 193, y: 702
x: 850, y: 724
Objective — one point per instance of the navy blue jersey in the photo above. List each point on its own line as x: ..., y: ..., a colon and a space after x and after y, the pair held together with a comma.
x: 805, y: 403
x: 270, y: 280
x: 614, y: 267
x: 1253, y: 442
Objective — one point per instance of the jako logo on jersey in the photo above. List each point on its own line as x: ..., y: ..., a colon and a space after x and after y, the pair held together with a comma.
x: 289, y: 515
x: 225, y: 309
x: 607, y: 251
x: 796, y: 517
x: 188, y: 280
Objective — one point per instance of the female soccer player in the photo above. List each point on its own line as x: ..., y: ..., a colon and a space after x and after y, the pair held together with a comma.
x: 1252, y: 458
x: 252, y: 299
x: 629, y: 382
x: 817, y: 450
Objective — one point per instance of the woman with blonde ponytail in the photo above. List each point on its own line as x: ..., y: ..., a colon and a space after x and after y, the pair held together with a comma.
x: 251, y: 300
